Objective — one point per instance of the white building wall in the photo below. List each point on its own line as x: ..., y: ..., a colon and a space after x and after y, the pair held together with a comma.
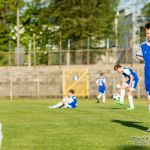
x: 133, y: 7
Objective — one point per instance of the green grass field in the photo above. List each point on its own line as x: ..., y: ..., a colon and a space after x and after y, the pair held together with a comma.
x: 30, y: 125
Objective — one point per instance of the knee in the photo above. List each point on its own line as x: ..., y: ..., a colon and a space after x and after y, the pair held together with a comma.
x: 129, y: 93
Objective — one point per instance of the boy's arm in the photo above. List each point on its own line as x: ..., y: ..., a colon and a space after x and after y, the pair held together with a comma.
x: 139, y: 55
x: 123, y: 82
x: 140, y: 58
x: 122, y: 85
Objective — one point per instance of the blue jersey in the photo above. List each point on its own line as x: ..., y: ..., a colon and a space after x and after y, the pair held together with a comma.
x: 126, y: 73
x: 144, y: 52
x: 101, y: 84
x: 72, y: 102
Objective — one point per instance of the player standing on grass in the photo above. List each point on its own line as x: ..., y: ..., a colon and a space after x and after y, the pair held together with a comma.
x: 144, y: 55
x: 101, y: 87
x: 130, y: 80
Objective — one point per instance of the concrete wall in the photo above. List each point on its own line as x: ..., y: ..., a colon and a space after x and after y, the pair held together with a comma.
x: 47, y: 81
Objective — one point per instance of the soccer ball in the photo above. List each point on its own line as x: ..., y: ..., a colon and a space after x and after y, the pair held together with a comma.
x: 116, y: 96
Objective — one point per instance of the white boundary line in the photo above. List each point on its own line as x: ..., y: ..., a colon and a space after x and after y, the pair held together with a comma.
x: 1, y: 135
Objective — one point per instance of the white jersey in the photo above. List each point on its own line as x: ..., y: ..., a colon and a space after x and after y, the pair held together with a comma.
x: 101, y: 81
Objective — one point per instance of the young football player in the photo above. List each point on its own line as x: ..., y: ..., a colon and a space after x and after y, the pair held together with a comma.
x: 68, y: 102
x: 130, y: 80
x: 101, y: 87
x: 144, y: 55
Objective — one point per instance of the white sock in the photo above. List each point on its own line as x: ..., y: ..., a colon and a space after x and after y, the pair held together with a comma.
x: 104, y: 98
x: 122, y: 94
x: 57, y: 105
x: 99, y: 96
x: 130, y: 98
x: 148, y: 102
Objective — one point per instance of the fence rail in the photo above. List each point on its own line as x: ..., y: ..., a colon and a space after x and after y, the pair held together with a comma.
x: 65, y: 57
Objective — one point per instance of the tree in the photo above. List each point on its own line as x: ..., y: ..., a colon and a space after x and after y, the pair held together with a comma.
x: 146, y: 10
x: 80, y: 19
x: 7, y: 19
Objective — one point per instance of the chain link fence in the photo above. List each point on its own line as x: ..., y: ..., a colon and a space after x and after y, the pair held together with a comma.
x: 65, y: 57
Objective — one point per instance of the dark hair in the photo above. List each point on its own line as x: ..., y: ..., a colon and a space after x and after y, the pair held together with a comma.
x: 147, y: 26
x: 101, y: 73
x: 71, y: 91
x: 117, y: 66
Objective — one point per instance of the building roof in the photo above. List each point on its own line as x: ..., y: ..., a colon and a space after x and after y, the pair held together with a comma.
x: 132, y: 6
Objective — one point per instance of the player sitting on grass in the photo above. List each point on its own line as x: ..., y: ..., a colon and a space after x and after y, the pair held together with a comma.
x: 130, y: 80
x: 101, y: 87
x: 68, y: 102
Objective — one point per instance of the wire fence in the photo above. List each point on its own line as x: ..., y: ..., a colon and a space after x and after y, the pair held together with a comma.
x: 65, y: 57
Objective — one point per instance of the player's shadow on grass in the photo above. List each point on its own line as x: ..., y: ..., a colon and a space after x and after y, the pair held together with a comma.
x: 116, y: 108
x: 132, y: 147
x: 131, y: 124
x: 113, y: 108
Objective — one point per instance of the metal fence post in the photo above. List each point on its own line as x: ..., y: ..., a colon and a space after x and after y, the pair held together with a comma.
x: 60, y: 50
x: 11, y: 85
x: 29, y: 54
x: 34, y: 48
x: 38, y: 84
x: 9, y: 54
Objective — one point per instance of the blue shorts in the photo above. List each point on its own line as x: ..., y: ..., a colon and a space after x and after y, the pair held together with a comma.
x: 134, y: 84
x: 101, y: 89
x: 147, y: 81
x: 72, y: 105
x: 147, y: 76
x: 147, y: 87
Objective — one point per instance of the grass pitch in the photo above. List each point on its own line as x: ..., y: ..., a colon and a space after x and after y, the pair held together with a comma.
x: 30, y: 125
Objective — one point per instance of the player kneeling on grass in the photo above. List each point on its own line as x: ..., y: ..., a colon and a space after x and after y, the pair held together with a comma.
x: 130, y: 80
x: 68, y: 102
x: 101, y: 87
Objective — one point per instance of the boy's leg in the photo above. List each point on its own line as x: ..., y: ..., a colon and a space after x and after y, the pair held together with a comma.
x: 98, y: 97
x: 149, y: 103
x: 130, y: 98
x: 130, y: 93
x: 104, y: 97
x: 122, y: 94
x: 148, y: 94
x: 58, y: 105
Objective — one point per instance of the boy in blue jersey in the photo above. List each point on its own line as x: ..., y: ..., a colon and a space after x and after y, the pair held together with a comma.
x: 130, y: 80
x: 68, y: 102
x: 101, y: 87
x: 144, y: 55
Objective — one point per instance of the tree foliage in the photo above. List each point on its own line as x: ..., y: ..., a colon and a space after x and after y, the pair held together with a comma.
x: 80, y: 19
x: 146, y: 10
x: 76, y: 20
x: 7, y: 19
